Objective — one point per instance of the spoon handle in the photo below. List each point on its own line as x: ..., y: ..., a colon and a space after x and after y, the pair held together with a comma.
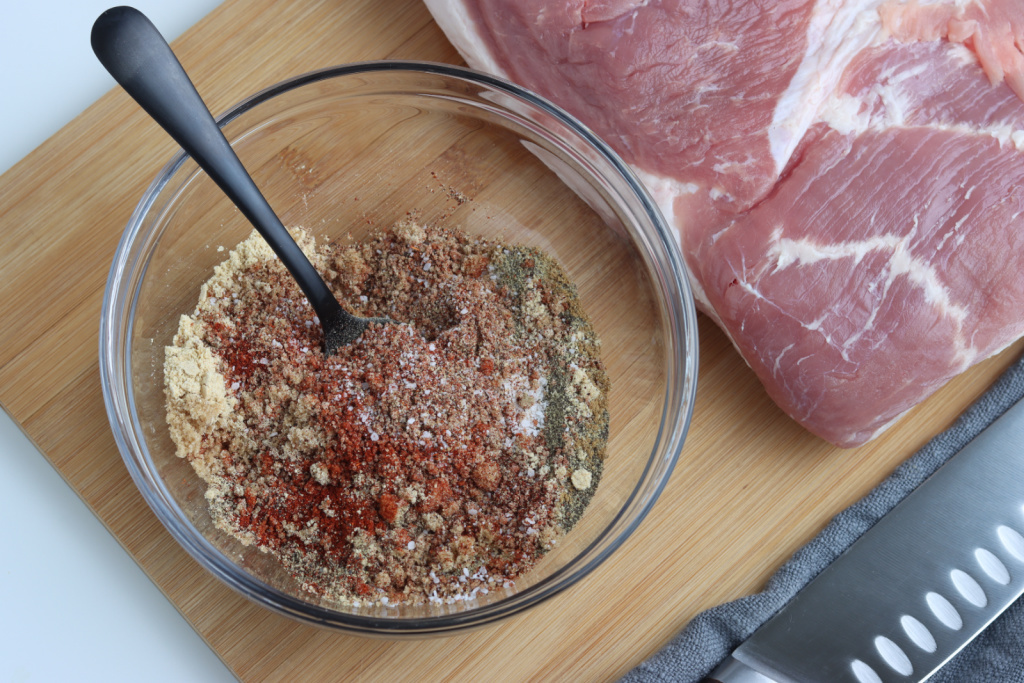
x: 131, y: 48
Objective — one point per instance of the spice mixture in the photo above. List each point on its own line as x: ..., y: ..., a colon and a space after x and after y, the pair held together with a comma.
x: 430, y: 460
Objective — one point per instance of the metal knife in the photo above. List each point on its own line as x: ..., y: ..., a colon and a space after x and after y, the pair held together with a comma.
x: 926, y: 579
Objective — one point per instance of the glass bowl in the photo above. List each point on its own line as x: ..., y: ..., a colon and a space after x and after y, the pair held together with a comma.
x: 347, y: 150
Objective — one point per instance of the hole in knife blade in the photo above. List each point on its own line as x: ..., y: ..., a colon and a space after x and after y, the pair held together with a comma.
x: 944, y: 610
x: 894, y: 656
x: 918, y: 633
x: 969, y: 588
x: 1013, y: 541
x: 993, y: 566
x: 864, y: 673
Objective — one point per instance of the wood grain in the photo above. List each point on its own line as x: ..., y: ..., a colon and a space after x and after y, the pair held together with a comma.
x: 751, y: 488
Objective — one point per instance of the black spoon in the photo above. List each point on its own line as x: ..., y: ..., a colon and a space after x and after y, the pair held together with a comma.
x: 141, y: 61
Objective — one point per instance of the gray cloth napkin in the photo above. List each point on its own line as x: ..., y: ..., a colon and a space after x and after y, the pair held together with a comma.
x: 996, y: 656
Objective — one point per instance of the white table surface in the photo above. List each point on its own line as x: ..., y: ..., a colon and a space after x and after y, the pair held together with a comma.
x: 74, y: 606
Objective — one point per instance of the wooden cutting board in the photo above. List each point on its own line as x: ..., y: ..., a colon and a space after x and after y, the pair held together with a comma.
x: 750, y: 489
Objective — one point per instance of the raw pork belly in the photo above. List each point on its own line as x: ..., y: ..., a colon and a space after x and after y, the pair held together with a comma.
x: 847, y: 178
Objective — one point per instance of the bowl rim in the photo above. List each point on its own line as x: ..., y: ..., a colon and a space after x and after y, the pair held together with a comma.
x: 680, y: 391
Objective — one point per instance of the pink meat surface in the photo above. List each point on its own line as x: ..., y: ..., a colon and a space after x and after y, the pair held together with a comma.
x: 847, y: 178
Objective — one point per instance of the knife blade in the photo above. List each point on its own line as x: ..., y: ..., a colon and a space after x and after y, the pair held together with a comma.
x: 918, y: 586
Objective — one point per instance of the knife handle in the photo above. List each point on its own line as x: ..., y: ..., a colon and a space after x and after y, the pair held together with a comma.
x: 734, y: 671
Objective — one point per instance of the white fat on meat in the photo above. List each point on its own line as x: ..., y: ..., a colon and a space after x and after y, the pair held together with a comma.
x: 455, y: 19
x: 837, y: 32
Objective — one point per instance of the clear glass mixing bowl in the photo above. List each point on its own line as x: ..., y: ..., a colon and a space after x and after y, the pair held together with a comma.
x: 350, y: 149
